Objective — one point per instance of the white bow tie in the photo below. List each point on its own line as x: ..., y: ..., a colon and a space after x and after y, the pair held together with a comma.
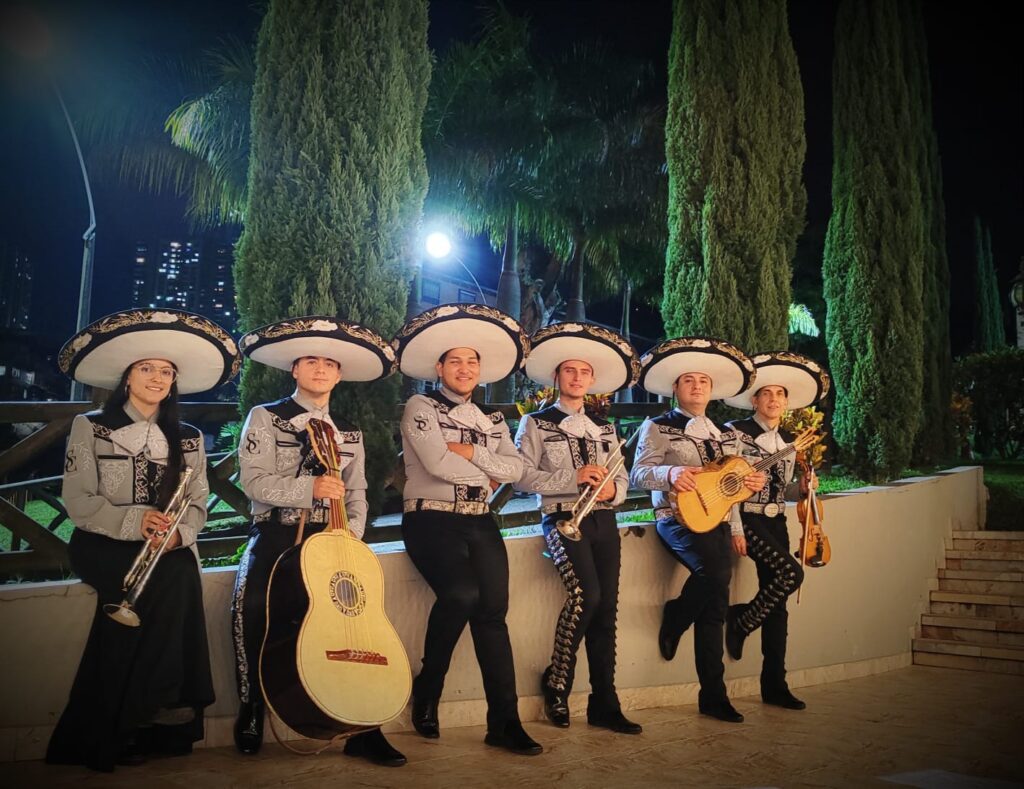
x: 142, y: 436
x: 468, y: 415
x: 580, y: 426
x: 702, y: 427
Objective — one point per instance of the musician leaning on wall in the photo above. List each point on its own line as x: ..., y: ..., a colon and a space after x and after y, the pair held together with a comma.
x: 283, y: 479
x: 139, y: 691
x: 456, y: 454
x: 784, y: 380
x: 567, y: 453
x: 672, y: 449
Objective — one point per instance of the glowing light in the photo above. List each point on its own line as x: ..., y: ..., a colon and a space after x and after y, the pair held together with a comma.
x: 438, y: 245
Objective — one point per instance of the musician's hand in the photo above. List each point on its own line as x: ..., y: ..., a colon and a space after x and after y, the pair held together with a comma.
x: 754, y: 482
x: 739, y: 544
x: 462, y: 450
x: 327, y: 487
x: 154, y: 522
x: 591, y: 475
x: 607, y: 492
x: 174, y: 540
x: 683, y: 478
x: 494, y: 485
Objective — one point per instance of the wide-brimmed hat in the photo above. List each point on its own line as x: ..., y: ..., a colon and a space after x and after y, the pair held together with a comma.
x: 497, y: 337
x: 730, y: 370
x: 804, y: 379
x: 615, y: 362
x: 362, y: 353
x: 204, y: 354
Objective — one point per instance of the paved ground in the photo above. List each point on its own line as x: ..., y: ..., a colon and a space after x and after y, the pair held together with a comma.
x: 918, y: 726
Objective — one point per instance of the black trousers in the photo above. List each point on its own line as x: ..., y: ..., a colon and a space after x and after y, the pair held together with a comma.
x: 267, y: 541
x: 703, y: 600
x: 779, y: 574
x: 589, y: 570
x: 127, y: 675
x: 463, y: 559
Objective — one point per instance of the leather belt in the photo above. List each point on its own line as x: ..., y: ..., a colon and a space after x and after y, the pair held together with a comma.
x: 458, y: 507
x: 769, y: 510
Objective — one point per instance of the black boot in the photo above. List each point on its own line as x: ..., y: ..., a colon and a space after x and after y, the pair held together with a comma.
x: 782, y: 698
x: 722, y: 710
x: 669, y: 634
x: 556, y: 702
x: 734, y: 636
x: 249, y: 727
x: 374, y: 747
x: 512, y: 737
x: 609, y: 716
x: 424, y: 718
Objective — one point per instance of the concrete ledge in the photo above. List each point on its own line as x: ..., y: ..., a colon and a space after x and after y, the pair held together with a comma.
x: 857, y: 616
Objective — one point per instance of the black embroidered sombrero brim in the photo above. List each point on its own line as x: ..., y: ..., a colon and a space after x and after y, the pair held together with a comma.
x: 615, y: 362
x: 204, y: 354
x: 362, y: 353
x: 804, y: 379
x: 497, y: 337
x: 731, y: 371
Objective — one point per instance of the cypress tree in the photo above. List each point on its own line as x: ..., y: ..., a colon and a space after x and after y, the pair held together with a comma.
x: 735, y: 147
x: 989, y: 334
x: 336, y: 185
x: 935, y: 439
x: 875, y: 244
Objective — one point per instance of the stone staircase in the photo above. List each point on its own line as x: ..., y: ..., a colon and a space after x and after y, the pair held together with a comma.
x: 976, y: 616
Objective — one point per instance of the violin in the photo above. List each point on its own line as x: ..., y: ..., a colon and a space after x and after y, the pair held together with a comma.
x: 814, y: 548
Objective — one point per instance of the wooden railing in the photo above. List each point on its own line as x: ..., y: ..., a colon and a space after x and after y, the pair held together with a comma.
x: 37, y: 552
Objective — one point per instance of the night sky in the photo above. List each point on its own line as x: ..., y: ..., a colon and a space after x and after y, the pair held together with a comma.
x: 976, y: 78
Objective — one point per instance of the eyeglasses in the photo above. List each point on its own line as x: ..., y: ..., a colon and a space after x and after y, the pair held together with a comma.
x: 167, y: 374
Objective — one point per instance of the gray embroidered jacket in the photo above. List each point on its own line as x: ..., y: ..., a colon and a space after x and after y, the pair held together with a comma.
x: 554, y: 444
x: 676, y: 438
x: 277, y: 464
x: 760, y: 441
x: 113, y: 469
x: 433, y: 473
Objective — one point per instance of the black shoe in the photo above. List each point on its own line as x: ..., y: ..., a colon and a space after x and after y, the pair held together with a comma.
x: 610, y: 716
x: 668, y: 639
x: 722, y: 710
x: 132, y: 755
x: 374, y: 747
x: 783, y: 699
x: 513, y: 738
x: 556, y: 703
x: 424, y: 718
x: 734, y: 637
x: 249, y: 727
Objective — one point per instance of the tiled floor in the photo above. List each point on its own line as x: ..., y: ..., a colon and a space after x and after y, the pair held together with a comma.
x: 946, y: 728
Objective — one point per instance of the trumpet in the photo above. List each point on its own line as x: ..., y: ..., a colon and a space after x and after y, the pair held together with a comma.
x: 584, y: 505
x: 138, y: 574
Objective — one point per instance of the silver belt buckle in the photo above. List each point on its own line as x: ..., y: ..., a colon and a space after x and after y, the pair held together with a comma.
x: 771, y: 510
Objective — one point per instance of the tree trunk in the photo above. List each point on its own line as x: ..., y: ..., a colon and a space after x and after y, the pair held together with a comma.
x: 625, y: 395
x: 509, y: 300
x: 575, y: 309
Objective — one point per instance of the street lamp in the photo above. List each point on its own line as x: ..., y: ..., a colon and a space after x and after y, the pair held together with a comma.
x: 439, y: 247
x: 1017, y: 300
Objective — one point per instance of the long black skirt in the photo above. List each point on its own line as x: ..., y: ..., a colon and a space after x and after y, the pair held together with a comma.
x: 136, y: 687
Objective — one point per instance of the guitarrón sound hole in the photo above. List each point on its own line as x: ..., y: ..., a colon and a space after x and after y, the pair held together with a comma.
x: 347, y: 593
x: 731, y: 484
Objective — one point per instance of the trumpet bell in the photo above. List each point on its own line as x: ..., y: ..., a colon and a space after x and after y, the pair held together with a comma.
x: 569, y: 530
x: 122, y: 614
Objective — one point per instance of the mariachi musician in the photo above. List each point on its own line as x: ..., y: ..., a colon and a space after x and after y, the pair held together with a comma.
x: 567, y: 452
x: 140, y: 690
x: 784, y: 380
x: 287, y: 485
x: 456, y: 453
x: 672, y: 449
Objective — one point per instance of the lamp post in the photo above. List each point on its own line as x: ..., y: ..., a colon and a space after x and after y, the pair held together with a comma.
x: 1017, y: 300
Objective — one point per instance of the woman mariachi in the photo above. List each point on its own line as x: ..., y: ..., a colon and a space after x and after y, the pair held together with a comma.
x: 672, y: 448
x: 567, y: 453
x: 139, y: 690
x: 784, y: 381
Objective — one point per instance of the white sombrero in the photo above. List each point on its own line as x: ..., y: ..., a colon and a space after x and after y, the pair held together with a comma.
x: 362, y: 353
x: 730, y: 370
x: 804, y: 380
x: 204, y: 354
x: 494, y: 335
x: 615, y: 363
